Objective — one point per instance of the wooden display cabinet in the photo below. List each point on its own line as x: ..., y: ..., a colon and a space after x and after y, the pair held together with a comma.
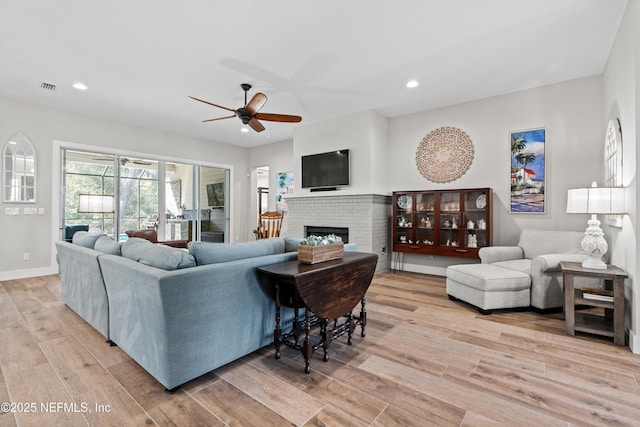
x: 453, y: 223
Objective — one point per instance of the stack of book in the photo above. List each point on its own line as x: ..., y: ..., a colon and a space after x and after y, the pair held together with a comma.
x: 597, y: 294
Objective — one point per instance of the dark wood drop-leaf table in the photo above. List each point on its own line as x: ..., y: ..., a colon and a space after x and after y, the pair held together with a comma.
x: 327, y: 291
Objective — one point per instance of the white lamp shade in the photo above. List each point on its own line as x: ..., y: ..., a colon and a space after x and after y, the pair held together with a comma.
x: 95, y: 203
x: 596, y: 200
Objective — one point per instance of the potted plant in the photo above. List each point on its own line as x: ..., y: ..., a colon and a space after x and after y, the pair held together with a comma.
x: 314, y: 249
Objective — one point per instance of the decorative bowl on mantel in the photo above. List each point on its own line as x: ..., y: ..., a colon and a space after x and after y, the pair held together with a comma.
x: 315, y: 249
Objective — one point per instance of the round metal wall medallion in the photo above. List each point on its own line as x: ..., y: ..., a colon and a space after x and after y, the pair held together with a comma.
x: 444, y: 155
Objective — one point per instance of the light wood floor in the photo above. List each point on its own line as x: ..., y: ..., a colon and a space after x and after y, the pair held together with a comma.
x: 425, y: 361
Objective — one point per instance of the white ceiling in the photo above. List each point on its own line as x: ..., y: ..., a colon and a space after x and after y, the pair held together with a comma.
x: 320, y: 59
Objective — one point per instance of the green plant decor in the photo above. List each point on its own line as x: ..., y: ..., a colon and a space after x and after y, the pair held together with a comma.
x: 314, y: 240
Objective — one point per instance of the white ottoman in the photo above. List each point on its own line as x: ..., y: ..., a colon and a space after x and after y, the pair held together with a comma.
x: 488, y: 287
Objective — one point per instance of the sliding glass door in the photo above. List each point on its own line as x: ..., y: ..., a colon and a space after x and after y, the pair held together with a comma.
x: 213, y: 195
x: 138, y: 206
x: 192, y: 203
x: 179, y: 201
x: 87, y: 173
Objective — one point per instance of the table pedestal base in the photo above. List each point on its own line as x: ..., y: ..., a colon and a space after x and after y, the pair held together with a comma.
x: 330, y: 329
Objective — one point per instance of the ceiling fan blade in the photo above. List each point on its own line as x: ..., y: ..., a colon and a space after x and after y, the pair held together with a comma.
x: 278, y: 117
x: 218, y: 118
x: 211, y: 103
x: 256, y: 103
x: 256, y: 125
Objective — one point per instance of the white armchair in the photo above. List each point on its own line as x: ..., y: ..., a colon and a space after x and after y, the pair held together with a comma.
x: 539, y: 254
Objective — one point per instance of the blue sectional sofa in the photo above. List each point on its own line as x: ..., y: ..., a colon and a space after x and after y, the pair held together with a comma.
x: 83, y: 288
x: 178, y: 314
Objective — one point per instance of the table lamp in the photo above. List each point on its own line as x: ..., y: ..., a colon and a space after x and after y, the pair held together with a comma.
x: 595, y: 200
x: 95, y: 204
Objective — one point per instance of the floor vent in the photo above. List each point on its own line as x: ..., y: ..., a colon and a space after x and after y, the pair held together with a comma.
x: 48, y: 86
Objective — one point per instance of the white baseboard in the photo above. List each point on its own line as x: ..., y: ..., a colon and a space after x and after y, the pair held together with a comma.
x: 31, y: 272
x: 424, y: 269
x: 634, y: 342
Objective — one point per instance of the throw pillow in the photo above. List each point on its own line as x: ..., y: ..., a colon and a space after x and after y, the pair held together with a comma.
x: 83, y: 238
x: 159, y: 256
x: 213, y: 253
x: 107, y: 245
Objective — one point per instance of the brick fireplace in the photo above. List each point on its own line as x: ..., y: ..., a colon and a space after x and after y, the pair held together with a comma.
x: 366, y: 216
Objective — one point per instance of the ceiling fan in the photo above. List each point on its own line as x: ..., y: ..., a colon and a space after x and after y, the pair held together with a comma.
x: 125, y: 161
x: 249, y: 114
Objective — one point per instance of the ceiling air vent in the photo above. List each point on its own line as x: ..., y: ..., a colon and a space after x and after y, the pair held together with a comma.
x: 48, y: 86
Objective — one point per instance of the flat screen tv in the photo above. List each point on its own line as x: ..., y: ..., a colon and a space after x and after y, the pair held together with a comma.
x: 326, y: 171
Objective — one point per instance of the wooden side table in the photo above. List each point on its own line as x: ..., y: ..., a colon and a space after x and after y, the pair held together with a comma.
x: 612, y: 323
x: 327, y: 290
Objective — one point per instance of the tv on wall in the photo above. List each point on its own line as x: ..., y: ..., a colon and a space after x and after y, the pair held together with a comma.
x: 326, y: 171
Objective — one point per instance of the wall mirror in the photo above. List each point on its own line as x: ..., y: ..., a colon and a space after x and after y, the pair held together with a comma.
x: 19, y: 175
x: 613, y: 163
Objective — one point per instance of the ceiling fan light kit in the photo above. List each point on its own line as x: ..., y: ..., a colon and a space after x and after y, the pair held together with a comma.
x: 249, y: 115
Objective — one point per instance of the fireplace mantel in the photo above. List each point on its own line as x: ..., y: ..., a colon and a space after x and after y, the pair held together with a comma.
x: 336, y: 193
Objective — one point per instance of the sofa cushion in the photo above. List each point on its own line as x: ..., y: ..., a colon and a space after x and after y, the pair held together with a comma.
x: 291, y: 244
x: 488, y: 277
x: 551, y: 263
x: 213, y: 253
x: 540, y: 242
x: 107, y: 245
x: 521, y: 265
x: 158, y: 256
x: 83, y: 238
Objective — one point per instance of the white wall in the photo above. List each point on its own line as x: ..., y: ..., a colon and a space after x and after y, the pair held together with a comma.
x: 571, y: 114
x: 621, y: 88
x: 279, y: 157
x: 383, y: 153
x: 42, y: 125
x: 364, y: 134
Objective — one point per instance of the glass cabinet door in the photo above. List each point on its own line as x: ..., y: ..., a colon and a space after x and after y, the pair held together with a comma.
x: 476, y: 219
x: 404, y: 218
x: 425, y: 219
x: 450, y: 219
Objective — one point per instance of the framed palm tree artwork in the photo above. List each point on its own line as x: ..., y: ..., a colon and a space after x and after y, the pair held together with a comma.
x: 527, y: 171
x: 285, y: 187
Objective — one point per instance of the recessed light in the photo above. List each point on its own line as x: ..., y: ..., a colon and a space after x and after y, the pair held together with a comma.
x: 80, y: 86
x: 412, y: 83
x: 244, y: 130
